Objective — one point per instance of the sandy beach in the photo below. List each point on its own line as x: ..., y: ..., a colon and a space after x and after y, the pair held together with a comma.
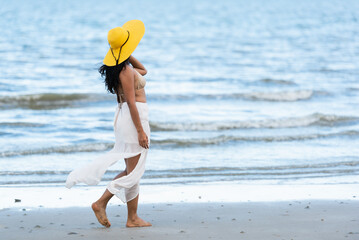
x: 196, y: 211
x: 318, y: 219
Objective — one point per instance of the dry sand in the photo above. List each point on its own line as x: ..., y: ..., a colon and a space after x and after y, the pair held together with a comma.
x: 304, y: 219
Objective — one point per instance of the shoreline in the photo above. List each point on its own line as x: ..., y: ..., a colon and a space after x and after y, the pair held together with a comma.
x: 316, y: 219
x: 82, y: 196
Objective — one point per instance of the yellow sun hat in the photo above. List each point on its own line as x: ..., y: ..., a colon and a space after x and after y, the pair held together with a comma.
x: 123, y: 41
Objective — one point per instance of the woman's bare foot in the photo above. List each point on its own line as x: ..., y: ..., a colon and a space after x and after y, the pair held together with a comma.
x: 100, y: 213
x: 137, y: 222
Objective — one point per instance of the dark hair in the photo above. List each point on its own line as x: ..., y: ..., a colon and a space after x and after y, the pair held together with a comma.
x: 112, y: 75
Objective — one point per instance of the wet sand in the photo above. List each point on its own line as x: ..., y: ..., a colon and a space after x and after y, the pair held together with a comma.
x: 304, y: 219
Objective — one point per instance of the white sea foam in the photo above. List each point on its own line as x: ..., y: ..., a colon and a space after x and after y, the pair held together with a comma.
x: 284, y: 96
x: 317, y: 119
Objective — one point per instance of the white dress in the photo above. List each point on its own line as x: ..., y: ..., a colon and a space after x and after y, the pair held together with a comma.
x: 127, y: 187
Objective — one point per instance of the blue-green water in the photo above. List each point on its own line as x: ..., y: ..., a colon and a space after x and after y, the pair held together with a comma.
x: 244, y: 91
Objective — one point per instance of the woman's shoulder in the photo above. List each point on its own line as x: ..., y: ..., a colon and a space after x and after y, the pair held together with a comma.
x: 127, y: 72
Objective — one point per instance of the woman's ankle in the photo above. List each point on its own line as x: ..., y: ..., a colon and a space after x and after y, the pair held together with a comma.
x: 132, y: 217
x: 101, y: 203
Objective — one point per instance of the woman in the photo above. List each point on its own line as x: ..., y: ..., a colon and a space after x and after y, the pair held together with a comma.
x: 131, y: 126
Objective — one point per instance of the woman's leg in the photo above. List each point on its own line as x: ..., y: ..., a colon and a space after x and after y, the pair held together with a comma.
x: 99, y: 207
x: 133, y: 220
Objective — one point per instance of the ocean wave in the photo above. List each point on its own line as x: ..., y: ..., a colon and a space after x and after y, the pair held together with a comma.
x: 29, y: 173
x: 277, y: 96
x: 225, y: 138
x: 354, y: 89
x: 315, y: 119
x: 21, y: 124
x: 174, y: 142
x: 49, y: 100
x: 56, y: 100
x: 200, y: 174
x: 205, y: 170
x: 93, y: 147
x: 280, y: 96
x: 276, y: 81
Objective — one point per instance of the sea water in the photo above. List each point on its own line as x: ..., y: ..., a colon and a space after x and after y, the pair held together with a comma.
x: 238, y: 91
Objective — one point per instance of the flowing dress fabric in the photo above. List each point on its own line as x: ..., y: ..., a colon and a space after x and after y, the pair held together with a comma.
x: 127, y: 187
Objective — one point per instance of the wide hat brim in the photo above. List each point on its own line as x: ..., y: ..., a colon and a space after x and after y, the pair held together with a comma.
x: 137, y: 30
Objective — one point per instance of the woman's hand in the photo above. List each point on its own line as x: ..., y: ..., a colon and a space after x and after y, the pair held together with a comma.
x: 143, y: 139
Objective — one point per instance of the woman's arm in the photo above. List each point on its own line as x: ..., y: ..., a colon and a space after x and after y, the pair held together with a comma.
x: 127, y: 80
x: 138, y: 65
